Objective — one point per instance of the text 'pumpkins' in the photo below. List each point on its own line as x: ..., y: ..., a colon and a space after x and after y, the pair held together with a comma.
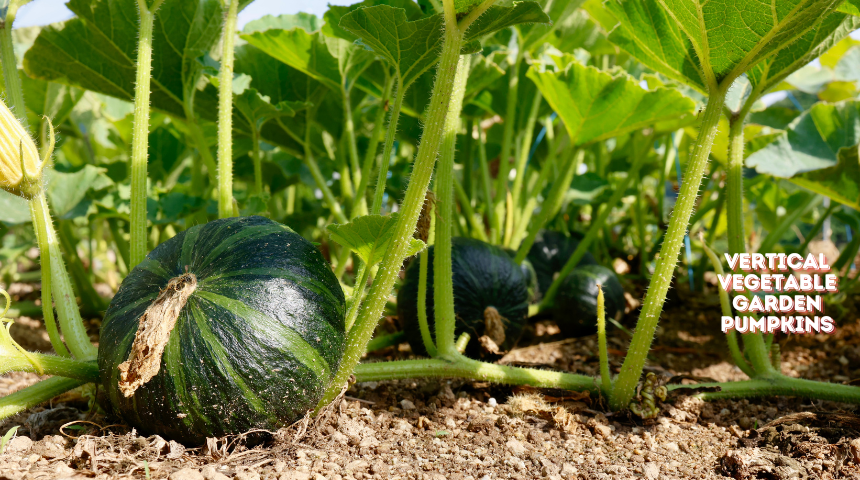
x: 258, y: 334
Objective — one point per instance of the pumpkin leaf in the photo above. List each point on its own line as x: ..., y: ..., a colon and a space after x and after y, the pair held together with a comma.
x: 706, y: 43
x: 369, y: 236
x: 305, y: 21
x: 818, y: 151
x: 825, y: 34
x: 96, y: 50
x: 840, y: 182
x: 596, y: 105
x: 334, y: 13
x: 412, y: 47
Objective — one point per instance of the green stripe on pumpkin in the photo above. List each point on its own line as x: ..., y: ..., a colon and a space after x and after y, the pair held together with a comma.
x: 312, y: 285
x: 155, y: 267
x: 243, y: 235
x: 267, y: 327
x: 188, y: 243
x: 171, y: 363
x: 224, y: 364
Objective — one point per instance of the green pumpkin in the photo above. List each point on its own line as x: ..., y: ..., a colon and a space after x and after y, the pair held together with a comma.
x: 575, y: 307
x: 550, y: 252
x: 484, y: 276
x: 255, y: 345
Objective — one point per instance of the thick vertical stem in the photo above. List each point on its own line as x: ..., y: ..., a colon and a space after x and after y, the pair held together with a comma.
x: 14, y: 91
x: 605, y: 379
x: 508, y: 133
x: 41, y: 227
x: 71, y: 324
x: 443, y: 285
x: 349, y: 128
x: 140, y: 134
x: 466, y: 160
x: 413, y: 201
x: 225, y: 114
x: 754, y: 346
x: 631, y: 370
x: 731, y: 336
x: 258, y: 163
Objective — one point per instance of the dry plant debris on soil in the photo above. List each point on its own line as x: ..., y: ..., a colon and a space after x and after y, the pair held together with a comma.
x: 441, y: 429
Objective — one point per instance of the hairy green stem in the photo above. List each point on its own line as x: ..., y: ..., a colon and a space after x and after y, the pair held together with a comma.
x: 140, y: 133
x: 462, y: 367
x: 375, y: 138
x: 390, y: 134
x: 631, y: 369
x: 552, y: 204
x: 605, y: 379
x: 225, y: 113
x: 754, y: 346
x: 507, y: 140
x: 423, y: 324
x: 384, y: 341
x: 14, y: 90
x: 777, y: 384
x: 71, y: 323
x: 36, y: 394
x: 51, y: 365
x: 443, y: 282
x: 725, y: 305
x: 413, y: 201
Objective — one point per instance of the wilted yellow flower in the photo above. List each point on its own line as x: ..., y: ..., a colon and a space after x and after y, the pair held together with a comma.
x: 20, y: 171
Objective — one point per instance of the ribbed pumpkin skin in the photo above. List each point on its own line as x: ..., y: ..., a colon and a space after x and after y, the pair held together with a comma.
x: 550, y: 252
x: 255, y: 345
x: 484, y: 276
x: 575, y: 308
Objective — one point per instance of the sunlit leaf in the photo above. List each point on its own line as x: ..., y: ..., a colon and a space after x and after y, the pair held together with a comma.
x: 369, y: 237
x: 412, y: 47
x: 705, y: 43
x: 596, y: 105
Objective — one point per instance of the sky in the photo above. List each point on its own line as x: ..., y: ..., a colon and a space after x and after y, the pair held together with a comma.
x: 43, y: 12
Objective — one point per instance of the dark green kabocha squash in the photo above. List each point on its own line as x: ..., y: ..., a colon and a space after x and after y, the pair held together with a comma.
x: 259, y: 332
x: 484, y: 276
x: 550, y: 252
x: 575, y: 306
x: 530, y: 276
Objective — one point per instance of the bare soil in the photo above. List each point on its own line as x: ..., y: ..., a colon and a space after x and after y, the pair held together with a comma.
x: 451, y: 429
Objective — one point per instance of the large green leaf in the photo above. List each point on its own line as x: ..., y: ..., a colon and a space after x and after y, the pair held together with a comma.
x: 557, y: 11
x: 818, y: 151
x: 369, y: 237
x: 812, y: 141
x: 840, y: 182
x: 412, y: 47
x: 705, y: 43
x: 821, y: 37
x: 307, y: 52
x: 596, y: 105
x: 334, y: 13
x: 97, y: 49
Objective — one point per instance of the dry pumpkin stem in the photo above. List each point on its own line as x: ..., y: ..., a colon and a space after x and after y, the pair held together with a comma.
x: 153, y: 333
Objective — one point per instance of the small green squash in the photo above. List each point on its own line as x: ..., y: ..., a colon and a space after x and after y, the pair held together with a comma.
x: 575, y: 307
x: 550, y: 252
x: 254, y: 345
x: 484, y: 276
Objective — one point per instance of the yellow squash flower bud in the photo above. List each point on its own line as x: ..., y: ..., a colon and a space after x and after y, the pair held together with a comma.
x: 20, y: 166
